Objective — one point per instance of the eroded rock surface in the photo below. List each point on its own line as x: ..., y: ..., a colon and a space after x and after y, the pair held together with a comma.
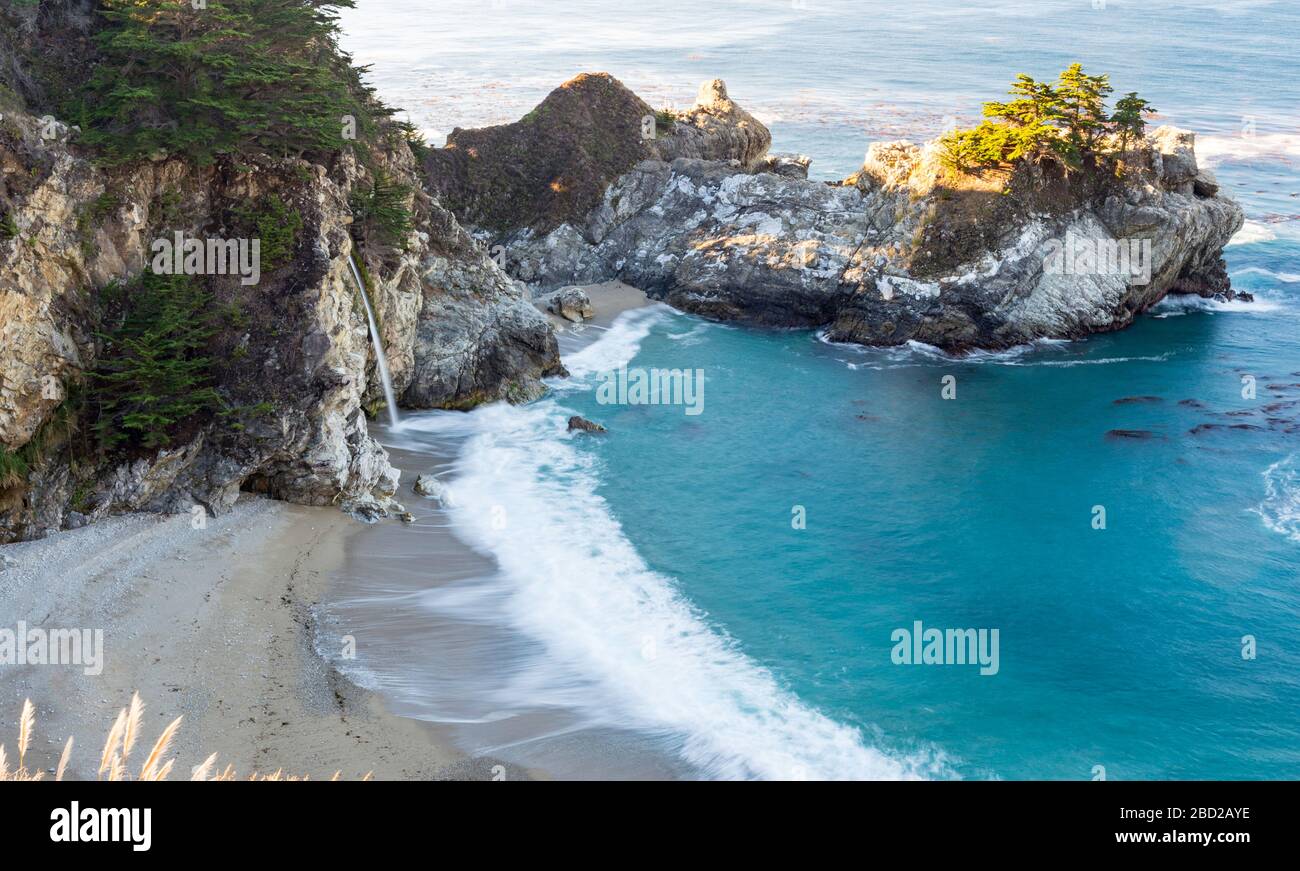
x: 893, y: 256
x: 901, y: 251
x: 293, y: 362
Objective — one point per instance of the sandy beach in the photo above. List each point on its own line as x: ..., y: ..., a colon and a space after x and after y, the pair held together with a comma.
x: 609, y: 299
x: 213, y: 624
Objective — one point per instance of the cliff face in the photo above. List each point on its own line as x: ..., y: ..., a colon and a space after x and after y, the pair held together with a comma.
x: 293, y: 361
x: 901, y: 251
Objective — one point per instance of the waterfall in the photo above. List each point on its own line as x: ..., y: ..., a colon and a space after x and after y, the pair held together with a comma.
x: 380, y: 360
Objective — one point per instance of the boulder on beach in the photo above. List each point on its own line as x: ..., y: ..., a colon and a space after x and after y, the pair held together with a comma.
x: 431, y: 488
x: 572, y: 304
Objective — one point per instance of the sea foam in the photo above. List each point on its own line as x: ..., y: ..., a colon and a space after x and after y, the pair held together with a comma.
x: 1280, y: 509
x: 1253, y: 233
x: 526, y: 493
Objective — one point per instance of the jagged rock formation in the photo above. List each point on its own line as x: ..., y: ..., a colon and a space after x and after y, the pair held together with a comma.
x: 302, y: 350
x: 901, y: 251
x: 581, y: 424
x: 554, y: 165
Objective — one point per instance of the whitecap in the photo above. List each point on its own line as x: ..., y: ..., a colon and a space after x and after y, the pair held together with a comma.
x: 1280, y: 509
x: 1181, y: 304
x: 1214, y: 150
x: 617, y: 346
x: 1253, y: 233
x: 1285, y: 277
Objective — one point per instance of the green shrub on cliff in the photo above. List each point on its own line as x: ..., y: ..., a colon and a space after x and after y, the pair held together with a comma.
x: 14, y: 468
x: 234, y: 76
x: 275, y: 224
x: 60, y: 428
x: 383, y: 209
x: 1065, y: 120
x: 154, y: 373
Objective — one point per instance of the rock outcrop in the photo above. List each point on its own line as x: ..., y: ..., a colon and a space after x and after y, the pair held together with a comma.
x: 296, y: 349
x: 555, y: 164
x: 901, y: 251
x: 476, y: 336
x: 293, y: 362
x: 431, y: 488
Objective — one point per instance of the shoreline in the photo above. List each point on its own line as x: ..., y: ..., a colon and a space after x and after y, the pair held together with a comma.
x: 220, y: 625
x: 402, y: 594
x: 609, y: 299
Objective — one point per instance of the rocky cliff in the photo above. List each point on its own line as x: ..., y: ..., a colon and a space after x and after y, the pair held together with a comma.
x: 292, y: 361
x: 903, y: 250
x: 592, y: 185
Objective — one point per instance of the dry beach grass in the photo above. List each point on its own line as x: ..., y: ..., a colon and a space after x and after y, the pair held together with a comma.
x: 114, y: 760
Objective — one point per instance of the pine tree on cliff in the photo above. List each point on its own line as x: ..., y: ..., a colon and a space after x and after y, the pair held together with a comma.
x: 1082, y: 109
x: 1035, y: 103
x: 233, y: 76
x: 1028, y: 122
x: 154, y: 372
x: 1128, y: 120
x: 1066, y: 120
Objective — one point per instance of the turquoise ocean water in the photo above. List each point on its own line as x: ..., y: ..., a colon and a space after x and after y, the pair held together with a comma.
x: 651, y: 580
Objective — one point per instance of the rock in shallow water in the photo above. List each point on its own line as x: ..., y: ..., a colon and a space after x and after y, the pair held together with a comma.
x: 1133, y: 435
x: 581, y: 424
x: 430, y: 487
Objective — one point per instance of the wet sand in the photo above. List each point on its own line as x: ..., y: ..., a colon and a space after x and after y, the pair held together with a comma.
x: 412, y: 595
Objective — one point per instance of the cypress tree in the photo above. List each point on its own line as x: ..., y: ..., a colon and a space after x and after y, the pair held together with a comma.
x: 1066, y: 119
x: 155, y: 371
x: 234, y: 76
x: 1082, y: 107
x: 1128, y: 120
